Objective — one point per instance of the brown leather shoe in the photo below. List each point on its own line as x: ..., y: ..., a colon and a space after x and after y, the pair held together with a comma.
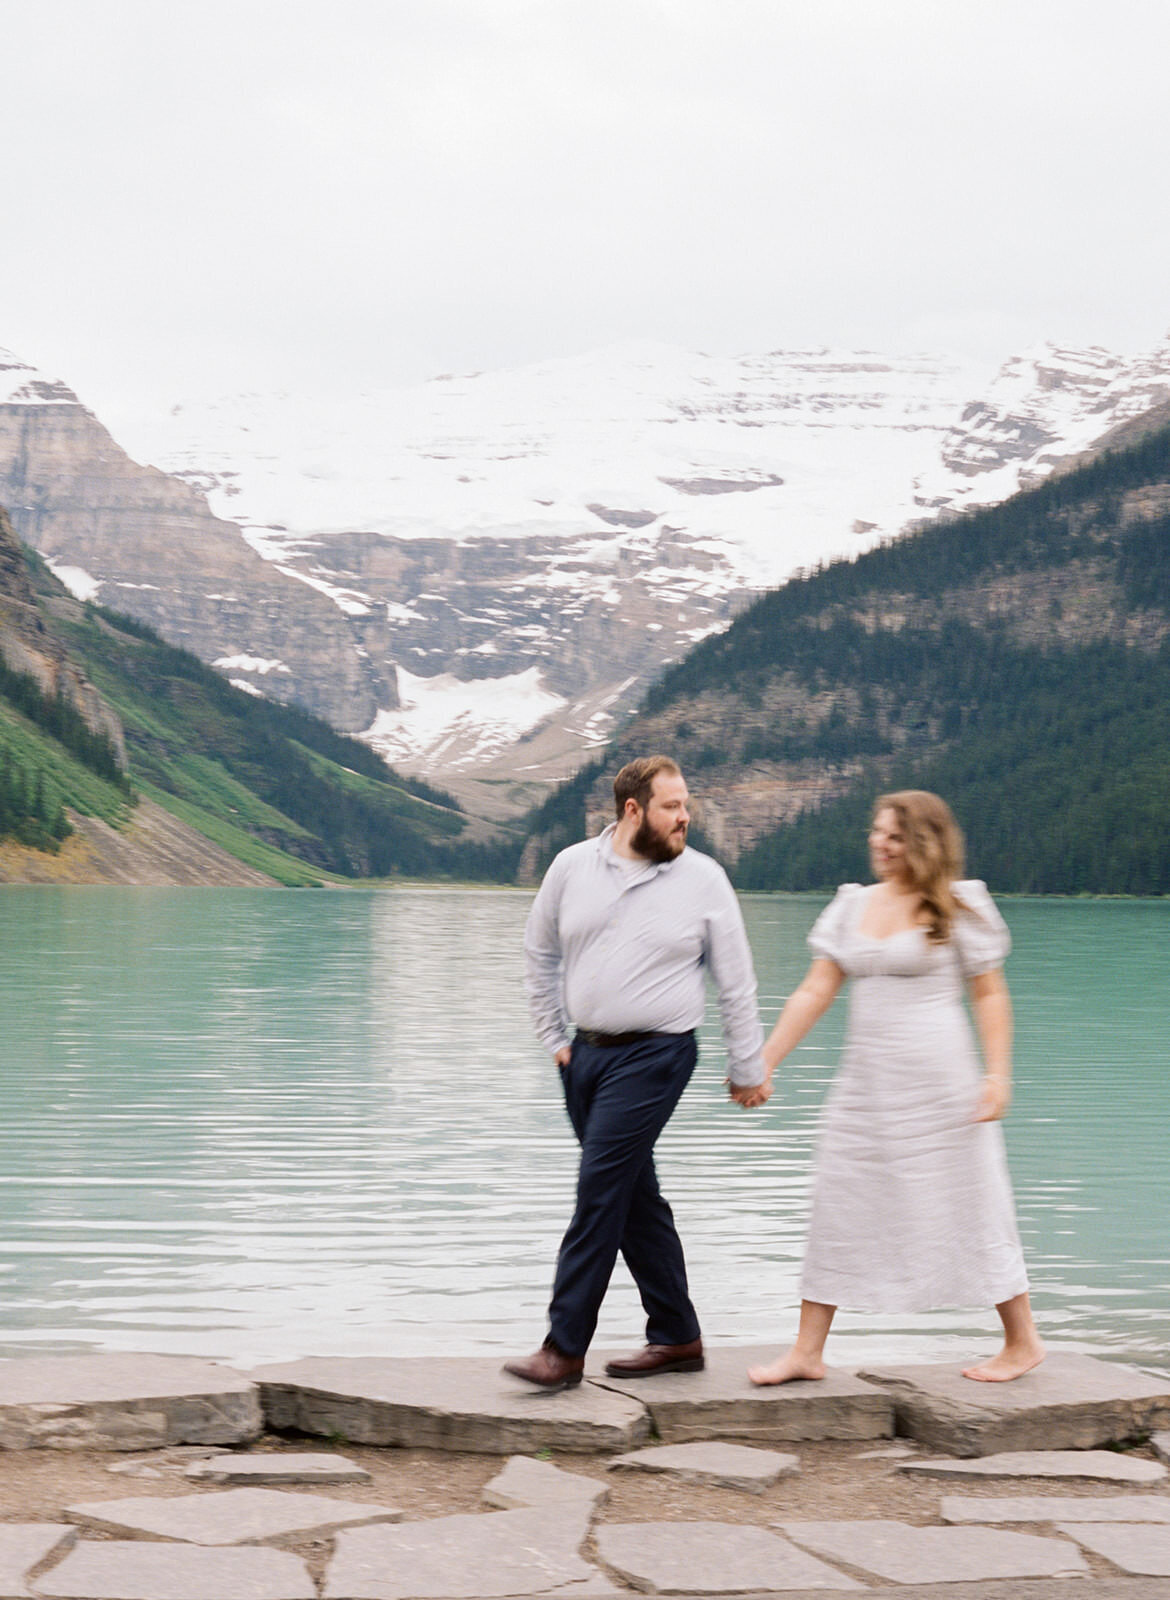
x: 659, y: 1358
x: 549, y: 1368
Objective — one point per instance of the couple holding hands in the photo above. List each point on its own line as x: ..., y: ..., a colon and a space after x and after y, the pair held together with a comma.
x: 912, y: 1207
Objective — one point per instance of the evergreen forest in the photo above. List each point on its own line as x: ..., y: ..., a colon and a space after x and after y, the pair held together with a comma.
x: 1014, y: 659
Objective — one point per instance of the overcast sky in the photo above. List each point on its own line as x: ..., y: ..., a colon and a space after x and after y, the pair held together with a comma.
x: 200, y: 197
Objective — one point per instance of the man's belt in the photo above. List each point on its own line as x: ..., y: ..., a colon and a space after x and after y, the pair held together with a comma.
x: 610, y: 1041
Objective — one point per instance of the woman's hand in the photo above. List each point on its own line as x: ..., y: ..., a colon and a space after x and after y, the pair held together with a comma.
x: 995, y: 1096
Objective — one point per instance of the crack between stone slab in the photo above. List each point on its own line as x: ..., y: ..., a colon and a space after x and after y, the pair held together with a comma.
x: 588, y: 1551
x: 47, y: 1563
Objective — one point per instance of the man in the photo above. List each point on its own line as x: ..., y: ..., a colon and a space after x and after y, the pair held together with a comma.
x: 618, y: 941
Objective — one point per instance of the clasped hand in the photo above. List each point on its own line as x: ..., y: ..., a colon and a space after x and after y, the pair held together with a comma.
x: 750, y: 1094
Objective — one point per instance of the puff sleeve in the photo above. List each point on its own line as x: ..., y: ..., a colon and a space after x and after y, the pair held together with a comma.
x: 827, y: 936
x: 981, y: 936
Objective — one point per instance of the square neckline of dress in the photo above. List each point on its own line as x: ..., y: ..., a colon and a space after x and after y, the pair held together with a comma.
x: 875, y: 938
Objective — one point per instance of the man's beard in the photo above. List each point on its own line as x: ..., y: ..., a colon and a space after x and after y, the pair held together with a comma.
x: 655, y: 846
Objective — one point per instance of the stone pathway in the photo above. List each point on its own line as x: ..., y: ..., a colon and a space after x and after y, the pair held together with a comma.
x: 277, y: 1469
x: 1105, y: 1466
x: 1136, y: 1548
x: 1070, y: 1402
x: 1056, y: 1508
x: 501, y: 1553
x: 124, y: 1402
x: 543, y: 1530
x: 445, y: 1404
x: 711, y: 1558
x: 233, y: 1516
x: 904, y: 1554
x: 722, y: 1466
x: 116, y: 1571
x: 720, y: 1403
x: 525, y: 1483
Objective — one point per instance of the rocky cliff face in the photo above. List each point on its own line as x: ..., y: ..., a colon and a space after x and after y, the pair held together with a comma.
x: 28, y: 646
x: 147, y: 544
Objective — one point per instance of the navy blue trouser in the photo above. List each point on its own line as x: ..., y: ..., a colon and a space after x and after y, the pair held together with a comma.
x: 619, y: 1100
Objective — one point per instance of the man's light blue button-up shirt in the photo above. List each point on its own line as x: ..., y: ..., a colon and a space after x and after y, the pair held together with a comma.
x: 623, y: 951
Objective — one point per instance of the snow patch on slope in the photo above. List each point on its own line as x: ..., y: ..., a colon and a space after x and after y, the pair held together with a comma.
x: 81, y: 584
x: 460, y: 722
x: 245, y: 663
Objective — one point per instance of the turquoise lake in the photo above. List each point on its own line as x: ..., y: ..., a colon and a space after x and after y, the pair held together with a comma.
x: 258, y: 1123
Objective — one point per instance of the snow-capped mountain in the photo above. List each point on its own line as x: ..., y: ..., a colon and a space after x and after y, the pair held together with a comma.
x: 506, y: 558
x: 1044, y: 408
x: 771, y: 458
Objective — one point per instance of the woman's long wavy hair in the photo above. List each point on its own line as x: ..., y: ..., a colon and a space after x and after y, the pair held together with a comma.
x: 934, y: 854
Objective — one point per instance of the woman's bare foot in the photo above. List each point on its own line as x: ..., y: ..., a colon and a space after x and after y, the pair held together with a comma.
x: 788, y: 1368
x: 1011, y: 1362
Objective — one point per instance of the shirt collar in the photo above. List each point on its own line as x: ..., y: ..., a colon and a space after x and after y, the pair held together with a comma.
x: 611, y: 858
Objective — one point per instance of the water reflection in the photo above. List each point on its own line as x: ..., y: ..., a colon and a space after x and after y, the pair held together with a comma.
x: 254, y: 1124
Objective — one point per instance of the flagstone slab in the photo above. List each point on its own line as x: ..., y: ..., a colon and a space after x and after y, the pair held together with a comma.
x: 711, y: 1558
x: 905, y: 1554
x: 1069, y: 1402
x: 526, y: 1483
x: 721, y: 1403
x: 723, y: 1466
x: 112, y: 1570
x: 1136, y: 1548
x: 232, y: 1516
x: 123, y: 1402
x: 1105, y: 1466
x: 1056, y: 1508
x: 292, y: 1467
x: 531, y: 1552
x: 23, y: 1546
x: 447, y: 1403
x: 164, y: 1463
x: 1161, y: 1444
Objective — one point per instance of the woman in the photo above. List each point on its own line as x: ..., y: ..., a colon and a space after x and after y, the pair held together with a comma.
x: 912, y: 1206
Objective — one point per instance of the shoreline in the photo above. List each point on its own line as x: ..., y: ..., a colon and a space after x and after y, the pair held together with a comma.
x: 471, y: 885
x: 826, y: 1495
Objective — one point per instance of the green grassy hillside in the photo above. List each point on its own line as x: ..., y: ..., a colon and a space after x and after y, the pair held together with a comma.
x: 274, y: 786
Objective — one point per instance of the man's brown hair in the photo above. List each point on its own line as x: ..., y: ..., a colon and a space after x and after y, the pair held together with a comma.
x: 636, y: 779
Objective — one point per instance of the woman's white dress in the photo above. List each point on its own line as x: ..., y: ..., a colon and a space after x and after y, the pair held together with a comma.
x: 912, y: 1205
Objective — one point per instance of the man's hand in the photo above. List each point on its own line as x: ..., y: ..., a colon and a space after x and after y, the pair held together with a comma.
x: 562, y: 1056
x: 750, y: 1094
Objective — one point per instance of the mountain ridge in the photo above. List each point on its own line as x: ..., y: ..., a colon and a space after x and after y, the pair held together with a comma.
x: 481, y: 575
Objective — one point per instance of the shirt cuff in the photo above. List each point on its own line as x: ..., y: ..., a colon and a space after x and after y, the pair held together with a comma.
x: 747, y: 1074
